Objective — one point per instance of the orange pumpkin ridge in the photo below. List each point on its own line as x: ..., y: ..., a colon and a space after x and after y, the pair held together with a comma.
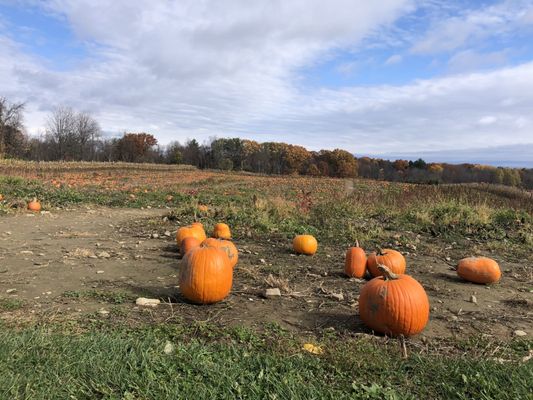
x: 392, y: 259
x: 222, y: 231
x: 34, y: 205
x: 479, y: 270
x: 206, y: 275
x: 305, y: 244
x: 393, y: 304
x: 225, y: 245
x: 355, y: 263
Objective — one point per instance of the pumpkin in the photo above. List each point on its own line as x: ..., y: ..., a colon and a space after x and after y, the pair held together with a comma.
x: 392, y: 259
x: 1, y: 197
x: 305, y: 244
x: 203, y: 208
x: 195, y: 230
x: 206, y: 275
x: 228, y: 247
x: 479, y: 270
x: 355, y: 263
x: 34, y: 205
x: 188, y: 243
x: 222, y: 231
x: 200, y: 228
x: 393, y: 304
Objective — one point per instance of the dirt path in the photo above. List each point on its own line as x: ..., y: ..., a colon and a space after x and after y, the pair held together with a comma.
x: 93, y: 263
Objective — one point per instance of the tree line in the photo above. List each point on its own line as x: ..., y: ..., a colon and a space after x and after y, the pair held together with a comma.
x: 77, y: 136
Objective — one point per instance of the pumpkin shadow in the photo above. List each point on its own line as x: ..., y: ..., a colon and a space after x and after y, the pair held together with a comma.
x: 166, y: 295
x: 170, y: 251
x: 341, y: 322
x: 450, y: 278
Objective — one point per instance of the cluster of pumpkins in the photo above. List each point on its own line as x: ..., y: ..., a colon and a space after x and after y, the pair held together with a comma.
x: 391, y: 303
x: 206, y: 275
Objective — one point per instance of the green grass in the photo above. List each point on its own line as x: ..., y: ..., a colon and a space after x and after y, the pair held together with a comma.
x: 100, y: 295
x: 10, y: 304
x: 116, y: 363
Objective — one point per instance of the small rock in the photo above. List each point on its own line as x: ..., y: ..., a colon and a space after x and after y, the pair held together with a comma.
x: 454, y: 318
x: 519, y: 333
x: 100, y: 272
x: 167, y: 233
x: 169, y: 348
x: 104, y: 254
x: 272, y: 292
x: 103, y: 312
x: 143, y: 301
x: 155, y: 235
x: 262, y: 261
x: 473, y: 299
x: 165, y: 219
x: 26, y: 252
x: 10, y: 291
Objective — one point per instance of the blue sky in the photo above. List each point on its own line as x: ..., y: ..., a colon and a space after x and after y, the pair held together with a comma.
x: 398, y: 77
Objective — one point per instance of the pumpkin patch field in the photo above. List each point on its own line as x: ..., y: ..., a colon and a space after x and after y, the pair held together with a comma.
x: 147, y: 282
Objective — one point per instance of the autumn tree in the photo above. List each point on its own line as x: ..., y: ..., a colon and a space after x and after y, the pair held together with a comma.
x: 135, y: 147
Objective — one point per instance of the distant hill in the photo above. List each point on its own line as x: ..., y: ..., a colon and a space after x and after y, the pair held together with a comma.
x: 516, y: 156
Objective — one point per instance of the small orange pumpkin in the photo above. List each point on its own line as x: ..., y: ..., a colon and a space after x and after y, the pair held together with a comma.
x: 206, y: 275
x: 305, y: 244
x: 479, y: 270
x: 227, y: 246
x: 355, y: 264
x: 394, y: 304
x: 1, y: 197
x: 188, y: 244
x: 195, y: 230
x: 199, y: 227
x: 222, y: 231
x: 34, y: 205
x: 203, y: 208
x: 392, y: 259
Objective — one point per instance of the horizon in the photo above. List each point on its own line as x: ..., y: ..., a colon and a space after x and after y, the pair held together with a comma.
x: 402, y: 79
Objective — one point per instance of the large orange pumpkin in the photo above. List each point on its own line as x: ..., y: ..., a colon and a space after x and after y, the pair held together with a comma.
x: 34, y: 205
x: 188, y: 244
x: 222, y: 231
x: 479, y: 270
x: 227, y: 246
x: 394, y: 304
x: 392, y: 259
x: 305, y: 244
x: 355, y: 264
x: 200, y: 228
x: 206, y: 275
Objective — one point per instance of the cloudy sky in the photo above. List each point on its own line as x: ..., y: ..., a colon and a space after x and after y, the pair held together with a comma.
x: 390, y: 77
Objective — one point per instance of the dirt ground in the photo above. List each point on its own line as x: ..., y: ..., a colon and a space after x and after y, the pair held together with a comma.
x: 51, y: 261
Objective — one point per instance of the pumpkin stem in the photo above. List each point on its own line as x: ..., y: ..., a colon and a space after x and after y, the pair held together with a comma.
x: 388, y: 275
x: 380, y: 251
x: 356, y: 243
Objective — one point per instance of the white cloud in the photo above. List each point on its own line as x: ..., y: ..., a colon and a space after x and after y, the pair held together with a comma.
x: 487, y: 120
x: 394, y: 59
x: 465, y: 27
x: 205, y: 67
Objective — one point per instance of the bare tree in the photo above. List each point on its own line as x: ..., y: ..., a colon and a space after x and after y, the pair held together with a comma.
x: 87, y: 134
x: 12, y: 137
x: 61, y: 131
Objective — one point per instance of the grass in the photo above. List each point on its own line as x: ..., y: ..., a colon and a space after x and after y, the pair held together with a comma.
x: 103, y: 361
x: 117, y: 363
x: 103, y: 296
x: 7, y: 304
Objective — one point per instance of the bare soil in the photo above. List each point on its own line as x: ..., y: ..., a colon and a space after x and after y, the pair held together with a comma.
x: 54, y: 261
